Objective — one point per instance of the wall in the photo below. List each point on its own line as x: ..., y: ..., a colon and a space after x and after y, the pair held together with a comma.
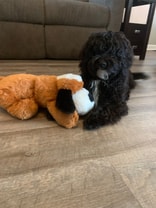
x: 152, y: 39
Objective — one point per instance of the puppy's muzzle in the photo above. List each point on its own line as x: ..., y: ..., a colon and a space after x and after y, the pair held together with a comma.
x: 102, y: 74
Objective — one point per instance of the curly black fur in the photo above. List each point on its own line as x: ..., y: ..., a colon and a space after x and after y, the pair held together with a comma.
x: 105, y: 68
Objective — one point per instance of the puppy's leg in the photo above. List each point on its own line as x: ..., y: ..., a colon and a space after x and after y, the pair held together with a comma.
x: 105, y: 115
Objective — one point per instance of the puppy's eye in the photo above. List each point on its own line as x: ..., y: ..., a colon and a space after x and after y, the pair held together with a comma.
x: 103, y: 65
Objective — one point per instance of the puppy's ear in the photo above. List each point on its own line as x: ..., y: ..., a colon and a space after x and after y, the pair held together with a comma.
x: 64, y: 101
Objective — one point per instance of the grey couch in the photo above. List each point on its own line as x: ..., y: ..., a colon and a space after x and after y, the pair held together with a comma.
x: 54, y: 29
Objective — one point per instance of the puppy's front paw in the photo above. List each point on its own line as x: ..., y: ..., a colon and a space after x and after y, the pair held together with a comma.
x: 90, y: 123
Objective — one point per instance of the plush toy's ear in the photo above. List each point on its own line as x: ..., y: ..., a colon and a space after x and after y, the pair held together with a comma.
x: 64, y: 101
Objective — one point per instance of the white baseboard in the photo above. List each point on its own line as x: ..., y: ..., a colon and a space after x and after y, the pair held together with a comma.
x: 151, y: 47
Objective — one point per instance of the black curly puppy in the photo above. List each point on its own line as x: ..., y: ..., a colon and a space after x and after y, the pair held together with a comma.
x: 105, y: 68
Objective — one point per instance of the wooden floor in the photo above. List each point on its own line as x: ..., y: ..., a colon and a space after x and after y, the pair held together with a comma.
x: 43, y: 165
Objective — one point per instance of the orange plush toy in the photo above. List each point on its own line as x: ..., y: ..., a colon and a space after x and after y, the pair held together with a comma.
x: 22, y: 94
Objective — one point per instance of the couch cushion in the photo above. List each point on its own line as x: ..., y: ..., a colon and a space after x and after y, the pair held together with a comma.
x: 75, y: 13
x: 29, y: 11
x: 66, y: 42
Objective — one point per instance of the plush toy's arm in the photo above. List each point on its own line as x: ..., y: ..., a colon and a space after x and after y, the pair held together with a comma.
x: 64, y: 101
